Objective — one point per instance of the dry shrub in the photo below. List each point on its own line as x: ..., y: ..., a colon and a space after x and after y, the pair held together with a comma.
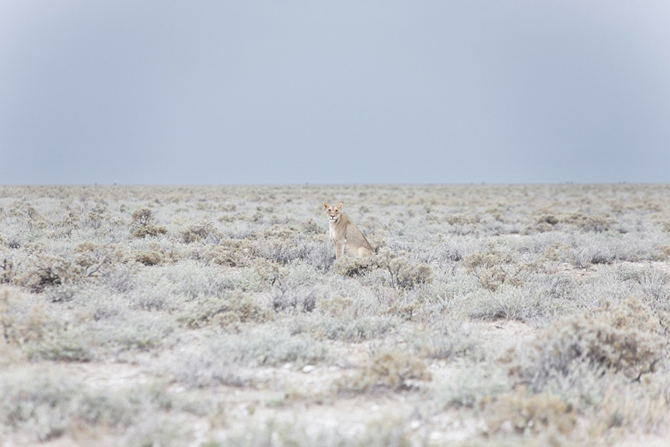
x: 49, y: 271
x: 335, y: 306
x: 205, y: 368
x: 352, y: 330
x: 320, y: 256
x: 351, y: 267
x: 389, y: 430
x: 544, y: 224
x: 585, y: 222
x: 282, y: 251
x: 449, y: 341
x: 53, y: 408
x: 88, y: 261
x: 202, y: 232
x: 269, y: 272
x: 150, y: 257
x: 225, y: 312
x: 460, y: 219
x: 143, y: 217
x: 98, y: 215
x: 38, y: 335
x: 143, y: 224
x: 156, y: 254
x: 7, y: 271
x: 402, y: 273
x: 541, y: 227
x: 148, y: 231
x: 556, y: 252
x: 271, y: 347
x: 285, y: 299
x: 494, y: 268
x: 277, y: 232
x: 405, y: 311
x: 643, y: 407
x: 470, y: 386
x: 231, y: 253
x: 625, y: 338
x: 531, y: 414
x: 549, y: 219
x: 311, y: 227
x: 24, y: 209
x: 664, y: 252
x: 512, y: 303
x: 97, y: 259
x: 392, y: 370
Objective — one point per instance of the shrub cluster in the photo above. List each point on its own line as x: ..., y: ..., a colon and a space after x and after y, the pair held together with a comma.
x: 88, y: 261
x: 625, y: 339
x: 402, y: 273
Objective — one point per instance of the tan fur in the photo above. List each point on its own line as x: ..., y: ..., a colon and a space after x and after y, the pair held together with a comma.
x: 345, y: 235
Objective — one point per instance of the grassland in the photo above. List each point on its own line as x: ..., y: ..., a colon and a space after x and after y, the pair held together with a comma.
x: 217, y: 316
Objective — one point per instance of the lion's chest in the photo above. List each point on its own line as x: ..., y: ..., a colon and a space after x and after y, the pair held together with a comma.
x: 333, y: 232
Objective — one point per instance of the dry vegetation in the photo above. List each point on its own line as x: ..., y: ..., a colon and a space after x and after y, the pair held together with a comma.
x: 217, y: 316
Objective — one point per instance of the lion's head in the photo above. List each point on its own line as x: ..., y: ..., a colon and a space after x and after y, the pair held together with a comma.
x: 333, y: 212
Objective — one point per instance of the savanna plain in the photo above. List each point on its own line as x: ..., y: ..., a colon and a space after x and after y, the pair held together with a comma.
x: 488, y: 315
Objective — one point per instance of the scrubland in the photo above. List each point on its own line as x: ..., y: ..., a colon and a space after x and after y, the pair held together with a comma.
x: 512, y: 315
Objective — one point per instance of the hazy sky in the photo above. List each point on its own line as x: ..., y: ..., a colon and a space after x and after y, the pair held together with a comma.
x: 353, y: 91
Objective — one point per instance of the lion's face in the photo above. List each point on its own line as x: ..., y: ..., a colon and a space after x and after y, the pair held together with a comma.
x: 333, y: 212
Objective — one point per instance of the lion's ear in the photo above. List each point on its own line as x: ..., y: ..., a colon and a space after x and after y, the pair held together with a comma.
x: 339, y: 206
x: 325, y: 206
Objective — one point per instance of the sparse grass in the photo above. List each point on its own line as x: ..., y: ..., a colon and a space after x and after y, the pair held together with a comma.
x: 487, y: 315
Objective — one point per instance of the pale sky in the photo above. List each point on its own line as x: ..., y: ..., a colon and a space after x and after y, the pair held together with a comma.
x: 347, y: 91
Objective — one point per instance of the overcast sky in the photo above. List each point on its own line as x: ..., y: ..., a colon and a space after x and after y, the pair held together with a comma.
x: 353, y: 91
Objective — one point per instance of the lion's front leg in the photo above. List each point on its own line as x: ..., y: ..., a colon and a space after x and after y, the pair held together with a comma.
x: 339, y: 249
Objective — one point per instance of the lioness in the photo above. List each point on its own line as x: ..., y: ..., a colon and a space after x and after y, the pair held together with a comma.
x: 344, y: 234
